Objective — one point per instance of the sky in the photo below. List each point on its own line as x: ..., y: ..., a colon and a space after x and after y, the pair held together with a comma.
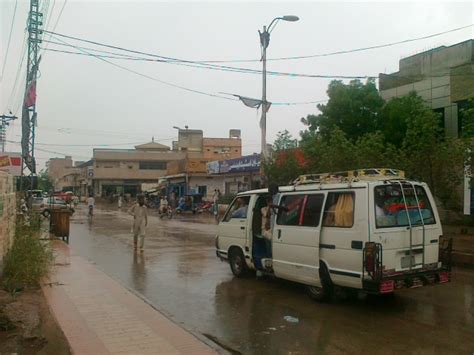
x: 84, y: 102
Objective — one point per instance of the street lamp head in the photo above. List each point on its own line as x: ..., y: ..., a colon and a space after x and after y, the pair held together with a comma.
x: 175, y: 127
x: 290, y: 18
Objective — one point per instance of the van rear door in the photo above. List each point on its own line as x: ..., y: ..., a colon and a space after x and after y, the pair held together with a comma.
x: 296, y: 233
x: 407, y: 225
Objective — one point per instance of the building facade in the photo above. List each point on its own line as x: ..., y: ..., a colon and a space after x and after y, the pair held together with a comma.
x: 57, y: 168
x: 122, y: 171
x: 443, y: 77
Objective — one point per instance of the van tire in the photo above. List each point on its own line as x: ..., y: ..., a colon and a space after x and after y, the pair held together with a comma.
x: 317, y: 293
x: 237, y: 262
x: 324, y: 292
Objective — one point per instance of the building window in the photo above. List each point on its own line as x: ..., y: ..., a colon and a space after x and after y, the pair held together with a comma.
x: 152, y: 165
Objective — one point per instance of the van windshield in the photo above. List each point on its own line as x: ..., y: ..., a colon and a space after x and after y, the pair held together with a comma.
x: 392, y: 211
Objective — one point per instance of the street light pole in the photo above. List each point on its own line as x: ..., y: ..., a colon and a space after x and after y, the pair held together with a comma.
x: 264, y: 42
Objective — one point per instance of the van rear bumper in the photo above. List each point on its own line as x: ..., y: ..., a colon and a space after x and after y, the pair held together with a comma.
x: 412, y: 279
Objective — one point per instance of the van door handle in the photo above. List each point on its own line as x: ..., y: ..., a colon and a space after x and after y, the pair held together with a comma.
x: 243, y: 228
x: 279, y: 233
x: 356, y: 244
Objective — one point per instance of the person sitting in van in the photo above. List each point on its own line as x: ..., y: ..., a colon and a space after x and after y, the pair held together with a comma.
x: 266, y: 218
x: 241, y: 209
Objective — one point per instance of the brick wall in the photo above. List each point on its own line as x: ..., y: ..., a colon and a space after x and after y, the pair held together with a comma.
x: 7, y: 212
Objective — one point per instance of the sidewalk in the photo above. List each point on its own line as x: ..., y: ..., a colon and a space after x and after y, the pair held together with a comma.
x: 99, y: 316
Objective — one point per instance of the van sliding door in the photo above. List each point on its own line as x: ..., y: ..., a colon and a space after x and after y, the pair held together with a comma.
x: 296, y: 238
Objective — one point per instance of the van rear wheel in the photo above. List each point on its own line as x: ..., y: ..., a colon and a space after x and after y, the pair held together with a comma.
x: 317, y: 293
x: 237, y: 263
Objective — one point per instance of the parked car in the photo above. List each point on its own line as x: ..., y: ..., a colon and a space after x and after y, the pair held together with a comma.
x: 49, y: 204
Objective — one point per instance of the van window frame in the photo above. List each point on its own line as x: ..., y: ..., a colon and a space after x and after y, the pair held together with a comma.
x: 403, y: 227
x: 353, y: 208
x: 224, y: 219
x: 304, y: 205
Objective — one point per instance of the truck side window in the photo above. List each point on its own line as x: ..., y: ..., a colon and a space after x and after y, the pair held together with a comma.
x: 339, y: 210
x: 238, y: 209
x: 312, y: 211
x: 291, y: 215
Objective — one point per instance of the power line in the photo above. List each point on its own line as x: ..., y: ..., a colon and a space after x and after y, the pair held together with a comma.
x: 199, y: 65
x: 221, y: 68
x: 10, y: 98
x: 92, y: 145
x: 9, y: 40
x: 292, y: 57
x: 153, y: 78
x: 85, y: 53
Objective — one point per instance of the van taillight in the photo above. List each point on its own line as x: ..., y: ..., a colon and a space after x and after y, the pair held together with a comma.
x: 370, y: 251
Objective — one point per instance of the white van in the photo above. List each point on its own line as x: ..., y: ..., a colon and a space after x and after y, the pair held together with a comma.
x: 368, y: 229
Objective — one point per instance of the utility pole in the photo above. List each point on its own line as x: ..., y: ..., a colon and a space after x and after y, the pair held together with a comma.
x: 4, y: 119
x: 28, y: 117
x: 264, y: 42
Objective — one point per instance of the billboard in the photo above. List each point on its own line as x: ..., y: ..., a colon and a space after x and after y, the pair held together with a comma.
x: 10, y: 163
x: 246, y: 164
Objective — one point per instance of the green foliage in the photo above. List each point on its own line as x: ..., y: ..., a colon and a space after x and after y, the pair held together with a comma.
x: 284, y: 166
x: 27, y: 262
x: 44, y: 182
x: 284, y: 141
x: 354, y: 108
x: 356, y: 129
x: 467, y: 119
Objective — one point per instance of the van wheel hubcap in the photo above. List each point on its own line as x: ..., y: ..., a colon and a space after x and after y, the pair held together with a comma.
x: 237, y: 263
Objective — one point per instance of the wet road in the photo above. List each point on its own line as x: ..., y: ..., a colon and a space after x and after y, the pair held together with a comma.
x: 180, y: 275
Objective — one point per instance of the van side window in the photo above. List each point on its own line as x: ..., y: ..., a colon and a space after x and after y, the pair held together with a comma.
x: 291, y: 215
x: 339, y: 210
x: 312, y: 211
x: 238, y: 209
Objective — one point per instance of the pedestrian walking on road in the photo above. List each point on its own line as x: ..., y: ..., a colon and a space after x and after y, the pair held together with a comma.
x: 120, y: 201
x: 140, y: 221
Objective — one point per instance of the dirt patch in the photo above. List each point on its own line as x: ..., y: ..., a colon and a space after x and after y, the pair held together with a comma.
x: 27, y: 326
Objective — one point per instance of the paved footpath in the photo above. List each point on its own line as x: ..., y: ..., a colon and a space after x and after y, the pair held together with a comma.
x: 99, y: 316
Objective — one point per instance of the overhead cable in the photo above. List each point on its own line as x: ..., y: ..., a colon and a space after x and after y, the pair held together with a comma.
x: 9, y: 40
x: 390, y: 44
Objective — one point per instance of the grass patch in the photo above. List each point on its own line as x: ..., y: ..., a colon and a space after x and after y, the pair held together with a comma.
x: 28, y: 261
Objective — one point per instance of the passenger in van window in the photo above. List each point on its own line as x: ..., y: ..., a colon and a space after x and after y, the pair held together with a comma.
x: 241, y: 209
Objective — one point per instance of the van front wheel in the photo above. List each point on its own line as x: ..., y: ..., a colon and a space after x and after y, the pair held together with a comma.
x: 237, y: 263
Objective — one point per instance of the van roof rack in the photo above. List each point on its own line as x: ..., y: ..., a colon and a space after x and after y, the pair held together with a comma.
x: 371, y: 174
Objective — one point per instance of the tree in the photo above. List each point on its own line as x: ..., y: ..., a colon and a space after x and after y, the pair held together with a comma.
x: 44, y: 182
x: 284, y: 141
x: 287, y: 161
x: 467, y: 119
x: 353, y: 108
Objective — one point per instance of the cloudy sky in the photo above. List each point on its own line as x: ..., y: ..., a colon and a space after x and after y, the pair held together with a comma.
x: 84, y: 102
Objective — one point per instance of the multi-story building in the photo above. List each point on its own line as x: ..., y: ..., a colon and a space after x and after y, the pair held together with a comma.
x: 57, y: 168
x: 443, y: 77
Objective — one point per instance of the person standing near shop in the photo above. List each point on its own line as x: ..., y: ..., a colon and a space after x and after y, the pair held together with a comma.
x: 140, y: 221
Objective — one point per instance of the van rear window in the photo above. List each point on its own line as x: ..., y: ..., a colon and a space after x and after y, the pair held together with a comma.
x: 392, y: 210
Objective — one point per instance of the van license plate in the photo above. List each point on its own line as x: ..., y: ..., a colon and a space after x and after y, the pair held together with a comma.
x: 406, y: 261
